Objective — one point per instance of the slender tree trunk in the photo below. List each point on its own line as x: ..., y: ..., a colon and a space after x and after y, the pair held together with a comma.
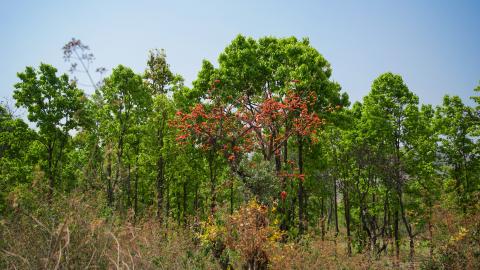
x: 386, y: 225
x: 396, y: 235
x: 184, y: 206
x: 430, y: 234
x: 51, y: 178
x: 195, y: 202
x: 412, y: 252
x: 135, y: 206
x: 278, y: 168
x: 93, y: 166
x: 346, y: 202
x: 109, y: 179
x: 179, y: 206
x: 128, y: 187
x: 322, y: 220
x: 285, y: 217
x: 212, y: 184
x: 335, y: 206
x: 291, y: 210
x: 167, y: 198
x: 305, y: 211
x: 160, y: 173
x: 231, y: 197
x: 119, y: 156
x: 389, y: 231
x: 160, y: 186
x: 398, y: 183
x: 409, y: 229
x: 300, y: 187
x: 160, y: 169
x: 330, y: 213
x: 57, y: 167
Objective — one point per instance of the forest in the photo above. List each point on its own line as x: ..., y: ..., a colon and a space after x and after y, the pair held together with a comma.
x: 263, y: 163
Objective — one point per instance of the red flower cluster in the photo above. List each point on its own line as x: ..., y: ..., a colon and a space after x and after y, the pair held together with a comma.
x: 299, y: 176
x: 214, y: 127
x: 236, y: 127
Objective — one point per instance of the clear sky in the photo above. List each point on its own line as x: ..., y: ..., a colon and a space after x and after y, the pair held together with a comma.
x: 434, y: 45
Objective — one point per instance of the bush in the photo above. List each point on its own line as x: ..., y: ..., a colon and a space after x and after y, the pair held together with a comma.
x: 457, y: 244
x: 250, y: 234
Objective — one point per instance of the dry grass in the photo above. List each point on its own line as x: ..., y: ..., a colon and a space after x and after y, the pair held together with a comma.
x: 71, y: 235
x: 79, y: 233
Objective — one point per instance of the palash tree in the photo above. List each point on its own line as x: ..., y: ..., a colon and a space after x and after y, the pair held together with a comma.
x: 234, y: 131
x: 252, y: 71
x: 215, y: 129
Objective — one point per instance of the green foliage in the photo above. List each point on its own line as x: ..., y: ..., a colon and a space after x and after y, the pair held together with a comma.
x: 55, y: 105
x: 363, y: 184
x: 52, y: 102
x: 457, y: 123
x: 17, y: 154
x: 261, y: 184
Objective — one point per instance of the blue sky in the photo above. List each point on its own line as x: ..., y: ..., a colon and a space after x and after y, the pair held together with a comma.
x: 434, y: 45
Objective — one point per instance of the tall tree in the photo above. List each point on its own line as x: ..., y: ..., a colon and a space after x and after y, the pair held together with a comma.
x: 387, y: 105
x: 16, y: 159
x: 125, y: 98
x: 53, y: 103
x: 160, y: 80
x: 456, y: 124
x: 254, y: 71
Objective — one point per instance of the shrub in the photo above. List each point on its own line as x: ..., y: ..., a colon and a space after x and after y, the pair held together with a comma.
x: 249, y: 233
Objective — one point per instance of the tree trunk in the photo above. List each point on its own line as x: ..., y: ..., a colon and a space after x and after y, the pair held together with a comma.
x: 430, y: 234
x: 58, y: 168
x: 119, y: 157
x: 179, y: 205
x: 386, y: 224
x: 160, y: 175
x: 412, y: 252
x: 330, y: 213
x: 135, y: 206
x: 109, y: 179
x: 409, y: 229
x: 281, y: 209
x: 291, y: 210
x: 396, y: 235
x: 128, y: 187
x: 160, y: 187
x: 212, y: 184
x: 195, y: 202
x: 305, y: 211
x: 285, y: 218
x: 335, y: 206
x: 231, y: 197
x: 51, y: 179
x: 322, y: 220
x: 300, y: 187
x: 167, y: 197
x: 346, y: 203
x: 184, y: 206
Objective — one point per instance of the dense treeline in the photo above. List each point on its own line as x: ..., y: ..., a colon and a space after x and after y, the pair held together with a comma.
x: 264, y: 150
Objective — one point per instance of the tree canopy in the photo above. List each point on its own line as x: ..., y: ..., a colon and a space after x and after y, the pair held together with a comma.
x: 261, y: 158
